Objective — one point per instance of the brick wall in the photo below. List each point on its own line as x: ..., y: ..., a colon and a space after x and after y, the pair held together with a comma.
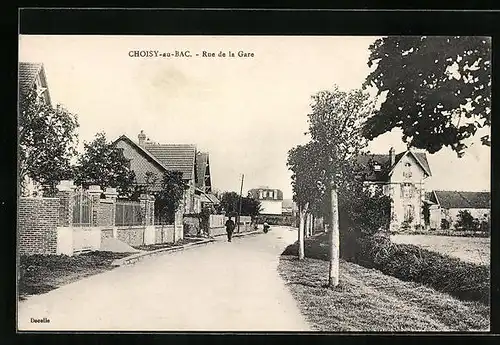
x: 37, y: 222
x: 106, y: 213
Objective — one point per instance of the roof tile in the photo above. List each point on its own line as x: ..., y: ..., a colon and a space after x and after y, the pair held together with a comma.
x: 175, y: 157
x: 459, y: 199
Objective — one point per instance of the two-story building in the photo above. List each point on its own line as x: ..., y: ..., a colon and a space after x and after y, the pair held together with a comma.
x: 402, y: 176
x: 271, y: 200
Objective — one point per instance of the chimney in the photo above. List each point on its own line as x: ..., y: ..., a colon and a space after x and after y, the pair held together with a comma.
x: 142, y: 138
x: 392, y: 156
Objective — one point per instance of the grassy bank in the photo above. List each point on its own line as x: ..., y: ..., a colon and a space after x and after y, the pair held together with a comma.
x: 369, y: 301
x: 464, y: 280
x: 43, y: 273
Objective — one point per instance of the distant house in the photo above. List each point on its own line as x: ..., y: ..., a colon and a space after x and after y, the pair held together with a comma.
x: 271, y: 200
x: 146, y: 156
x: 289, y: 208
x: 32, y: 75
x: 402, y: 176
x: 447, y: 204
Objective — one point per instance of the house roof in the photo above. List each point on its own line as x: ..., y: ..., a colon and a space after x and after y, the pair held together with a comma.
x: 27, y: 74
x: 385, y: 164
x: 201, y: 166
x: 254, y: 192
x: 213, y: 198
x: 458, y: 199
x: 141, y: 149
x: 175, y: 157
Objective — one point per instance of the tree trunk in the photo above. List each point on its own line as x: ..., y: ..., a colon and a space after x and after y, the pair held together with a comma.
x: 308, y: 228
x: 302, y: 224
x: 333, y: 278
x: 301, y: 235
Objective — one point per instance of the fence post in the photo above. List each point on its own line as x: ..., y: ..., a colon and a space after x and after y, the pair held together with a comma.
x: 144, y: 198
x: 111, y: 194
x: 95, y: 192
x: 151, y: 210
x: 65, y: 191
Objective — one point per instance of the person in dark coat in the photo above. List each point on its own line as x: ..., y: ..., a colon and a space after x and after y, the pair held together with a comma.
x: 229, y: 228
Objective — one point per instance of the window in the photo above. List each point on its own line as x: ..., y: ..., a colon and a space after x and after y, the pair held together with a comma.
x: 386, y: 189
x: 409, y: 213
x: 376, y: 167
x: 407, y: 170
x: 407, y: 190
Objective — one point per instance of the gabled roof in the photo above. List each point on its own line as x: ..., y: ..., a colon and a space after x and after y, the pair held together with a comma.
x: 147, y: 154
x: 27, y: 76
x: 458, y: 199
x: 175, y: 157
x: 386, y: 168
x: 201, y: 167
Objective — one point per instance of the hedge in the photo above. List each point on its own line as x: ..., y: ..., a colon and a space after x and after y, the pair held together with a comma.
x: 466, y: 281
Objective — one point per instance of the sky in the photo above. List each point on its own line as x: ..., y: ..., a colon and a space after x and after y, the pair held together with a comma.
x: 247, y: 112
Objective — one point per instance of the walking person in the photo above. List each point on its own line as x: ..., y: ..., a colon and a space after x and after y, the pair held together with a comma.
x: 229, y: 228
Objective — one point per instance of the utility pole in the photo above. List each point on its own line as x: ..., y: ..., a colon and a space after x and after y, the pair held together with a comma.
x: 239, y: 209
x: 333, y: 276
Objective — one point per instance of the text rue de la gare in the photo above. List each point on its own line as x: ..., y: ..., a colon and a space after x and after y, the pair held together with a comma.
x: 189, y: 54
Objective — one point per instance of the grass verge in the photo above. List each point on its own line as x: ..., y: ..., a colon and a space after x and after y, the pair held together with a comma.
x: 42, y: 273
x: 407, y: 262
x: 368, y: 301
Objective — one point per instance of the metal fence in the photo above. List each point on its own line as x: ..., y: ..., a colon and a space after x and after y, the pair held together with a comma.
x: 82, y: 209
x: 128, y: 213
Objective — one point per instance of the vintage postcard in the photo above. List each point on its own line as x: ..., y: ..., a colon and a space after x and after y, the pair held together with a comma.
x: 254, y: 183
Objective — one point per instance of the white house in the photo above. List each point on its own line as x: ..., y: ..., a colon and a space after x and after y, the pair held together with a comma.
x: 402, y: 176
x: 271, y: 200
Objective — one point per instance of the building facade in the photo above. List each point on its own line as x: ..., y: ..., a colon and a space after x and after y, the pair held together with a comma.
x: 402, y: 177
x: 271, y: 200
x: 446, y: 205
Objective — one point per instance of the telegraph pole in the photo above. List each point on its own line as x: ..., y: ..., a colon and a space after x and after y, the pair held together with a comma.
x: 239, y: 209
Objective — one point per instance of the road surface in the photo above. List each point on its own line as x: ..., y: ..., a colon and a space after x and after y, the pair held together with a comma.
x: 216, y: 287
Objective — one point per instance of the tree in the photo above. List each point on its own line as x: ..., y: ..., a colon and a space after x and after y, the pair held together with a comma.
x: 47, y: 141
x: 466, y: 222
x: 230, y: 202
x: 308, y: 176
x: 326, y: 162
x: 168, y: 198
x: 437, y: 89
x: 104, y: 164
x: 250, y: 207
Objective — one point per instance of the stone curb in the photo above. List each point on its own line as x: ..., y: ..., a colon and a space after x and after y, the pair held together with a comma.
x: 136, y: 257
x: 141, y: 255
